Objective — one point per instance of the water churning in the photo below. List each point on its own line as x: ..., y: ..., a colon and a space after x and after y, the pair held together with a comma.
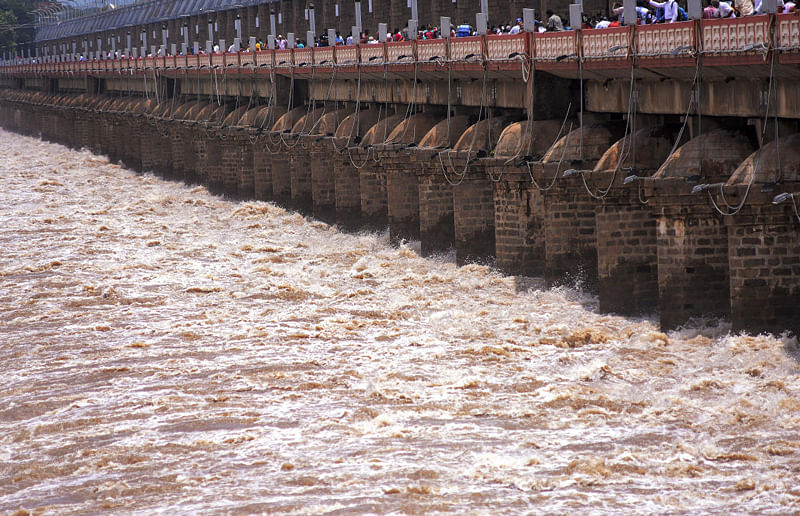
x: 165, y: 350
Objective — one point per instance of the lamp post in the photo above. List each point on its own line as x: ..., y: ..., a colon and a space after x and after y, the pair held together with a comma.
x: 237, y: 24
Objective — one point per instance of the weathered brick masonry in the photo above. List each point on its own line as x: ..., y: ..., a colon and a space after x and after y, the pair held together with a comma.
x: 282, y: 172
x: 347, y: 184
x: 473, y: 208
x: 764, y: 263
x: 693, y: 271
x: 322, y: 154
x: 436, y: 224
x: 402, y: 194
x: 519, y: 222
x: 300, y: 174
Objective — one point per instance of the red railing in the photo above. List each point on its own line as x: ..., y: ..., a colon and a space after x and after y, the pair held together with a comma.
x: 429, y: 50
x: 728, y: 42
x: 467, y: 49
x: 499, y: 48
x: 669, y: 40
x: 607, y: 44
x: 555, y: 46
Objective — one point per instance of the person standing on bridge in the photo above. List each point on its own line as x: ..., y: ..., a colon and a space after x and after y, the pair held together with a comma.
x: 670, y: 9
x: 554, y: 23
x: 724, y: 9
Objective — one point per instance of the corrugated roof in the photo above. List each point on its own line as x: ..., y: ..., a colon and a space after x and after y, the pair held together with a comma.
x: 138, y: 14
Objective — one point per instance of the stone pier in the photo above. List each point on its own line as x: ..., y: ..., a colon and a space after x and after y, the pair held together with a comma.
x: 693, y: 270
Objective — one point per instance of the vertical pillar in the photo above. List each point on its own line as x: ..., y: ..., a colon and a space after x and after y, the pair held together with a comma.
x: 473, y: 213
x: 519, y: 222
x: 436, y: 225
x: 323, y: 190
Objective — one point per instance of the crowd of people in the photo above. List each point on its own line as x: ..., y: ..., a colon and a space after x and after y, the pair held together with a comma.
x: 670, y: 11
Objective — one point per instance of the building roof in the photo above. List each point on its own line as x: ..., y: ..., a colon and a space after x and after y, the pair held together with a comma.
x: 137, y: 14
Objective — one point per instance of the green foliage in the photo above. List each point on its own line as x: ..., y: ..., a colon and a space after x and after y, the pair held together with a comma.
x: 8, y: 32
x: 16, y: 23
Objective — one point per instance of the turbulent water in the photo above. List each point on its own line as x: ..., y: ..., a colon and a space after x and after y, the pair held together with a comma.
x: 168, y: 351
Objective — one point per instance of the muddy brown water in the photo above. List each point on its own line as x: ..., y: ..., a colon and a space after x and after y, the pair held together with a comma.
x: 167, y: 351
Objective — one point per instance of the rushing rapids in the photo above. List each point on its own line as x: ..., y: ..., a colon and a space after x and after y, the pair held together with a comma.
x: 166, y: 348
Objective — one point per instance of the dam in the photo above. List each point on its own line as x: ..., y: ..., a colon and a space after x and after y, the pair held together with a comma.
x: 654, y: 165
x: 543, y: 272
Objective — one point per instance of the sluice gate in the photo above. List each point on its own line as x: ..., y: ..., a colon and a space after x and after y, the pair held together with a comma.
x: 664, y: 181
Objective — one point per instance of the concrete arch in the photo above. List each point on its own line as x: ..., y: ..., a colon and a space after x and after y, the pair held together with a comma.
x: 96, y: 102
x: 440, y: 137
x: 232, y: 117
x: 168, y: 108
x: 414, y: 128
x: 159, y: 110
x: 139, y: 106
x: 36, y: 97
x: 266, y: 116
x: 61, y: 100
x: 779, y: 160
x: 718, y: 152
x: 76, y: 101
x: 244, y: 120
x: 306, y: 122
x: 42, y: 98
x: 205, y: 113
x: 107, y: 104
x: 288, y: 119
x: 646, y: 150
x: 86, y: 100
x: 117, y: 105
x: 377, y: 133
x: 366, y: 119
x: 539, y: 138
x: 597, y: 139
x: 180, y: 111
x: 330, y: 121
x: 482, y: 136
x: 218, y: 115
x: 56, y: 100
x: 191, y: 113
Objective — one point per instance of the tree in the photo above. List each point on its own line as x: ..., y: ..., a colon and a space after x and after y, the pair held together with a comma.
x: 16, y: 23
x: 8, y: 32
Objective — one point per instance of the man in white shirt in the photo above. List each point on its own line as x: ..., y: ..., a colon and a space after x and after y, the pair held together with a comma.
x: 670, y: 9
x: 517, y: 27
x: 724, y: 9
